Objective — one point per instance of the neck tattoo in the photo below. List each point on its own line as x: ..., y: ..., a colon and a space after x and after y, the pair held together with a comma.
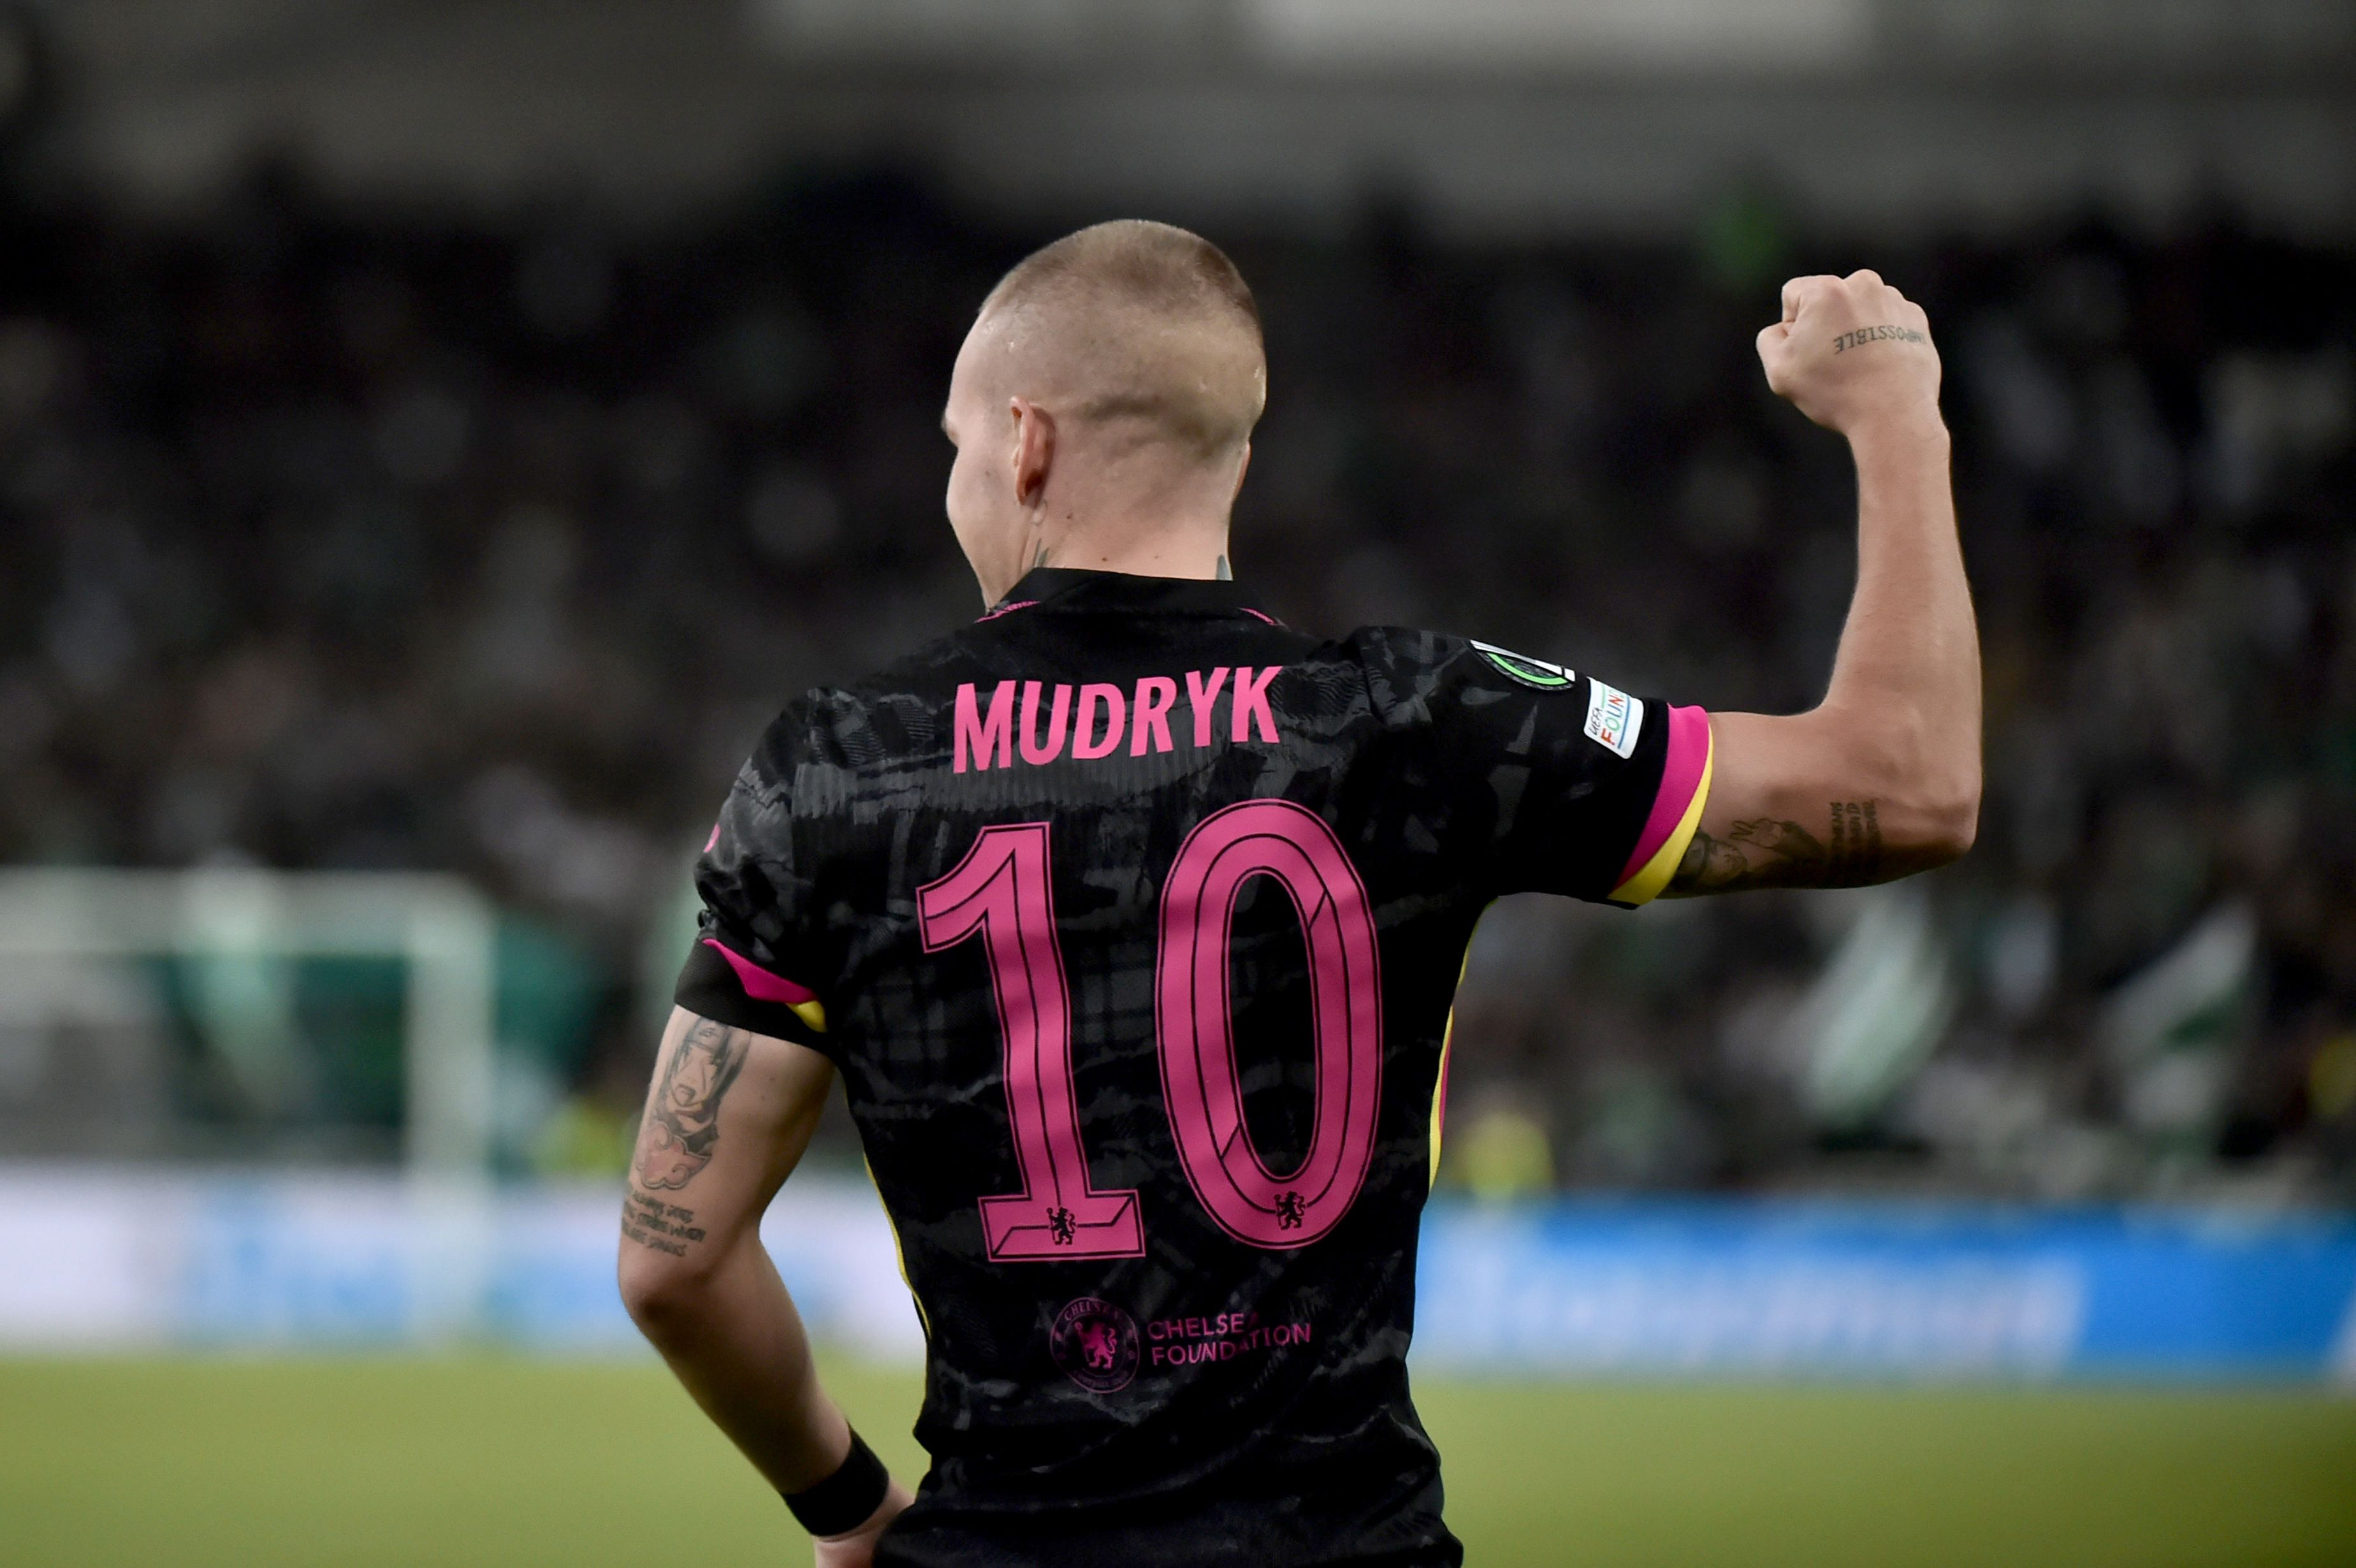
x: 1226, y: 572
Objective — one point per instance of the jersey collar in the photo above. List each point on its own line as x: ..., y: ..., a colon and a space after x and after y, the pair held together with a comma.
x: 1065, y: 588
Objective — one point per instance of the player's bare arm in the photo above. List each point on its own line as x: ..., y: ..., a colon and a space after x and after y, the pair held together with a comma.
x: 1882, y: 778
x: 728, y: 1116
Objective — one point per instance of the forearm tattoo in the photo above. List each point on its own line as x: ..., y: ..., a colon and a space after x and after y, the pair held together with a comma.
x: 1769, y: 852
x: 680, y: 1130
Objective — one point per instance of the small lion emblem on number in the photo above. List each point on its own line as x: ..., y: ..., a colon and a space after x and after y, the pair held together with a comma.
x: 1096, y: 1344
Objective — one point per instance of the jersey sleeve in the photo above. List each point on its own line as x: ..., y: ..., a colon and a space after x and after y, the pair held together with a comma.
x: 755, y: 963
x: 1558, y: 782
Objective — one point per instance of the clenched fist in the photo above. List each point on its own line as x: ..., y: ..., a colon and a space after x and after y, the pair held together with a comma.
x: 1850, y: 351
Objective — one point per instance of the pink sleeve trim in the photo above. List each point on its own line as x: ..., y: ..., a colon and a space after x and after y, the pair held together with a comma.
x: 761, y: 986
x: 1680, y: 776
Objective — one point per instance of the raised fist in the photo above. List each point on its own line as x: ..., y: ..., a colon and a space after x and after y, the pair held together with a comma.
x: 1851, y: 350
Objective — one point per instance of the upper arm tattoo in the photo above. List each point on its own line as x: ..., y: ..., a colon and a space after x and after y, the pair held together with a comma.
x: 682, y: 1121
x: 1769, y: 852
x: 680, y: 1130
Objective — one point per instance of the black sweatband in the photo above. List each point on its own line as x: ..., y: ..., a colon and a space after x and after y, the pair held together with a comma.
x: 846, y: 1500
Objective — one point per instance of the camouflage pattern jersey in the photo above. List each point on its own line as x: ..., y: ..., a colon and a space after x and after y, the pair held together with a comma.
x: 1132, y: 919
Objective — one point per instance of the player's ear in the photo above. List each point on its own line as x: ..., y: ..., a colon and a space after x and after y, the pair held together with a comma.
x: 1034, y: 449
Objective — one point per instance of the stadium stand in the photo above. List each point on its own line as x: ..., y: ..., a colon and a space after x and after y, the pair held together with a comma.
x: 338, y: 535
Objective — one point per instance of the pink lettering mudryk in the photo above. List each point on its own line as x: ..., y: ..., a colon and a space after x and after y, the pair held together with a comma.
x: 1199, y: 697
x: 1011, y: 725
x: 1093, y: 696
x: 1251, y: 702
x: 976, y: 735
x: 1046, y: 750
x: 1155, y: 695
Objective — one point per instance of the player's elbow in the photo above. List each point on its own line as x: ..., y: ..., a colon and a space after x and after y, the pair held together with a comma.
x: 1915, y: 782
x: 1944, y: 790
x: 1949, y: 824
x: 1930, y: 789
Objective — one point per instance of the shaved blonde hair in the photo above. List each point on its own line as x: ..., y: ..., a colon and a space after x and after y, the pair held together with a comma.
x: 1141, y: 324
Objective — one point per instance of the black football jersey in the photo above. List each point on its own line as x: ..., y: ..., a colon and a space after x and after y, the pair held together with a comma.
x: 1132, y: 918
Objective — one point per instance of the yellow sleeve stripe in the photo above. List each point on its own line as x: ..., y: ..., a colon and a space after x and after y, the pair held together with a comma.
x: 1439, y: 1085
x: 1655, y: 874
x: 1440, y: 1098
x: 900, y: 1254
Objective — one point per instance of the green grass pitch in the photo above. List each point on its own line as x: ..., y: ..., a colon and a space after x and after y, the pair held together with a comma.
x: 423, y: 1463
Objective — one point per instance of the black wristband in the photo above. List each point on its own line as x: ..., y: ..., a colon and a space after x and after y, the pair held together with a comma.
x: 846, y: 1500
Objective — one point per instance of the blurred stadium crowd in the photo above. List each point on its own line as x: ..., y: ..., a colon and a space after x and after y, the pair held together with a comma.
x: 349, y: 537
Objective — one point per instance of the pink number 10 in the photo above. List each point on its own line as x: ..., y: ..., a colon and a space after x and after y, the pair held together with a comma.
x: 1001, y: 891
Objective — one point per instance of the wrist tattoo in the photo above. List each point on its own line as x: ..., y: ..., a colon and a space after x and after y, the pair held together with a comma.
x: 1848, y: 340
x: 1773, y: 852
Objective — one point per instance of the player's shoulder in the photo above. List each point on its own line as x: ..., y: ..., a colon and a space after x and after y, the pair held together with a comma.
x: 1401, y: 653
x: 886, y: 711
x: 1408, y: 670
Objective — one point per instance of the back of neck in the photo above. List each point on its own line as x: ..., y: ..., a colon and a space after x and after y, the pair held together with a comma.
x: 1197, y: 554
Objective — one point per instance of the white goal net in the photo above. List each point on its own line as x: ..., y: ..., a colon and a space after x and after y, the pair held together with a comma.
x: 85, y: 1020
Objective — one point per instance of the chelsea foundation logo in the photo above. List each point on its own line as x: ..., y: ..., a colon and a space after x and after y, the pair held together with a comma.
x: 1095, y: 1343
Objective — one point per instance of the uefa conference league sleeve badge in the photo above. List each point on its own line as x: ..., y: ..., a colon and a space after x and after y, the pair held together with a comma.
x: 1538, y: 673
x: 1613, y: 718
